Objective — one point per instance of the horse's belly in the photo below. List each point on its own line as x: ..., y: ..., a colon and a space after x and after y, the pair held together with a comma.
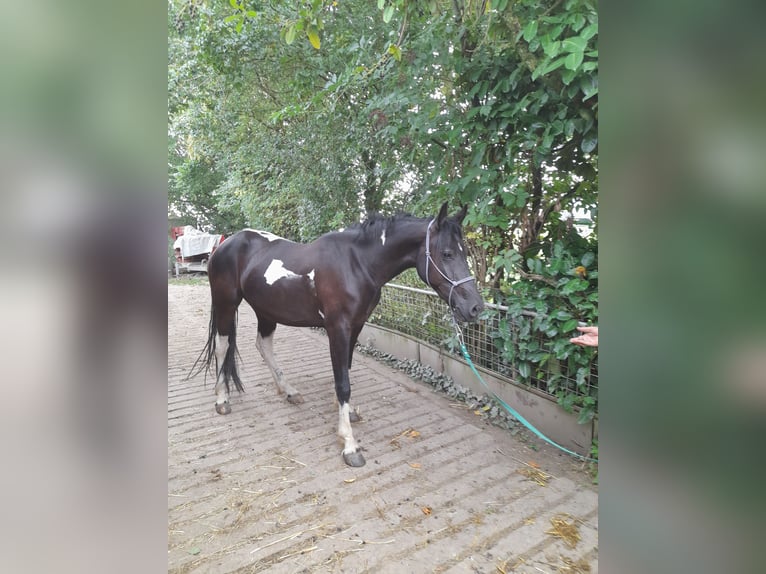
x: 289, y: 301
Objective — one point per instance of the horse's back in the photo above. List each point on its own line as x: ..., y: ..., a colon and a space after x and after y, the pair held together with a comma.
x: 274, y: 275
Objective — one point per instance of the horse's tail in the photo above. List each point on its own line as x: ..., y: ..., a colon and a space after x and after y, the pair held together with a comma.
x: 207, y: 355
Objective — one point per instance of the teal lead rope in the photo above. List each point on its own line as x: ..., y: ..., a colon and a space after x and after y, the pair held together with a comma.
x: 505, y: 405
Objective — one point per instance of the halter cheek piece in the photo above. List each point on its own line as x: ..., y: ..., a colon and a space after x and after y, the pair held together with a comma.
x: 431, y: 261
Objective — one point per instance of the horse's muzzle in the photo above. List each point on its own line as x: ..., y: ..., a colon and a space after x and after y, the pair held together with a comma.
x: 469, y: 313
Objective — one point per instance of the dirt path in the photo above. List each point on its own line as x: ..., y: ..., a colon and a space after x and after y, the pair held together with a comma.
x: 265, y: 488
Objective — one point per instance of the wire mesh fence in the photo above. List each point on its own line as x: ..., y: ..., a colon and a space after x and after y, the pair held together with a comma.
x: 493, y: 342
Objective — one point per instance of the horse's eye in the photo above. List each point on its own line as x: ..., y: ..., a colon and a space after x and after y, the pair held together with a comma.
x: 447, y: 254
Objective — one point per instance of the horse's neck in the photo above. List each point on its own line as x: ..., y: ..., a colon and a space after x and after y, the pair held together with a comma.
x: 400, y: 250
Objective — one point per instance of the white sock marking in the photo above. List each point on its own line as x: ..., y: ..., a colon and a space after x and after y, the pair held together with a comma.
x: 383, y: 237
x: 265, y: 346
x: 344, y: 430
x: 221, y: 346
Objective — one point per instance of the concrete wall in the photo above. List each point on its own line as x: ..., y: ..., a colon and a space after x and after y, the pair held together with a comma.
x: 538, y: 409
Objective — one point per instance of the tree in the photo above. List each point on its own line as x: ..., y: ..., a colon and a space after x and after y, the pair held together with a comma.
x: 299, y: 117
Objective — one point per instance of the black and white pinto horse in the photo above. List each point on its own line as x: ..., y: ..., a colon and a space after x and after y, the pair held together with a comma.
x: 333, y: 282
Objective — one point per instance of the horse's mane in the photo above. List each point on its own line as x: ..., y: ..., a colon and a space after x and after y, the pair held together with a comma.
x: 375, y: 223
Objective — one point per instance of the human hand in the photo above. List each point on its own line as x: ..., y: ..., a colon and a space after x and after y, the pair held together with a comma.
x: 589, y: 338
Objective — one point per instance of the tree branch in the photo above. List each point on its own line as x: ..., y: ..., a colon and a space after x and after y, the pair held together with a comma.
x: 536, y: 277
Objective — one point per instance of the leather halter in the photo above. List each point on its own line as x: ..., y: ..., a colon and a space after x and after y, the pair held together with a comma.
x: 430, y: 260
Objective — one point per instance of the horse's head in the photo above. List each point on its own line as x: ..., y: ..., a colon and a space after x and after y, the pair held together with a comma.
x: 443, y: 266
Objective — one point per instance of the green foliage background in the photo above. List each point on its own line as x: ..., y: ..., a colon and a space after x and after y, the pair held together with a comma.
x: 299, y: 117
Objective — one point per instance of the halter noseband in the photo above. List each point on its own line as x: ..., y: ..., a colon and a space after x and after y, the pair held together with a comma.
x: 430, y: 260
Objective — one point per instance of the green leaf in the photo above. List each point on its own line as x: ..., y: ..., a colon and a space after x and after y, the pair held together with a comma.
x: 569, y: 326
x: 561, y: 315
x: 574, y: 285
x: 586, y: 415
x: 544, y: 69
x: 582, y: 372
x: 566, y: 402
x: 525, y: 369
x: 589, y: 66
x: 388, y: 13
x: 567, y: 76
x: 589, y: 31
x: 381, y: 4
x: 589, y: 86
x: 396, y: 52
x: 574, y: 44
x: 231, y: 18
x: 587, y: 259
x: 290, y: 34
x: 234, y: 4
x: 589, y: 144
x: 530, y: 30
x: 252, y: 13
x: 573, y: 60
x: 313, y: 37
x: 551, y: 49
x: 569, y: 128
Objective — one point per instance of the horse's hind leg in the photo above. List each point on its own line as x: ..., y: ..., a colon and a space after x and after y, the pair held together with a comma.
x: 225, y: 351
x: 222, y: 406
x: 223, y: 336
x: 264, y: 342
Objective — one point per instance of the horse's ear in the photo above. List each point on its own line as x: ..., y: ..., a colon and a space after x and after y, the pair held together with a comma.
x: 461, y: 215
x: 442, y: 215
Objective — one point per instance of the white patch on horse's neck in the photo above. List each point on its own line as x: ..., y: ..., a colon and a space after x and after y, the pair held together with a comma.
x: 311, y: 275
x: 460, y: 247
x: 276, y: 271
x: 267, y: 235
x: 383, y: 237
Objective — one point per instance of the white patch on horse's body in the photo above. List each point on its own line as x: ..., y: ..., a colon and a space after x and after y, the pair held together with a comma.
x: 311, y: 275
x: 268, y: 235
x: 344, y: 429
x: 321, y: 314
x: 460, y: 247
x: 383, y: 237
x: 341, y: 230
x: 221, y: 346
x: 276, y: 271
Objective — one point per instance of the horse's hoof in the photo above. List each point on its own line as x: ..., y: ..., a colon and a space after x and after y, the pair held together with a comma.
x: 295, y: 399
x: 354, y: 417
x: 222, y: 408
x: 354, y: 458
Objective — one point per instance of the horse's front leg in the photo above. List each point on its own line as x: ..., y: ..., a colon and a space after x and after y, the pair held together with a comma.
x: 340, y: 339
